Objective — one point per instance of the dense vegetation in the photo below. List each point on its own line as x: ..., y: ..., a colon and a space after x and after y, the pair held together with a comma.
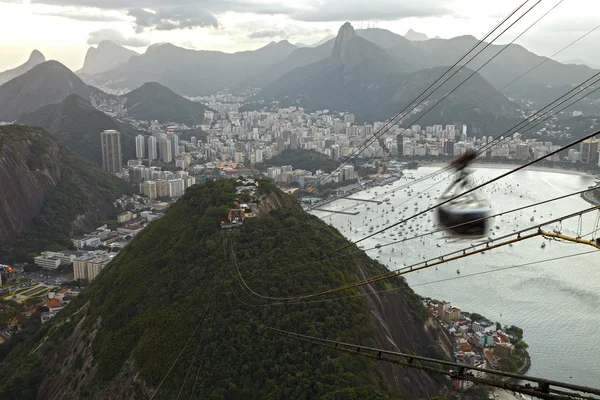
x: 78, y: 125
x: 176, y: 280
x: 153, y: 101
x: 309, y: 160
x: 82, y: 187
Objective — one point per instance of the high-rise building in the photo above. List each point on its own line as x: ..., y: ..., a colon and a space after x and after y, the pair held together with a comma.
x: 589, y: 151
x: 162, y: 188
x: 522, y: 151
x: 294, y: 141
x: 111, y: 150
x: 151, y: 148
x: 140, y: 148
x: 259, y: 156
x: 165, y: 149
x: 347, y: 172
x: 150, y: 189
x: 449, y: 147
x: 349, y: 118
x: 176, y: 188
x: 174, y: 140
x: 335, y: 151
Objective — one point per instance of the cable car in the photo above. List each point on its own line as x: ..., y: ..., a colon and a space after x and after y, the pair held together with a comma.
x: 467, y: 214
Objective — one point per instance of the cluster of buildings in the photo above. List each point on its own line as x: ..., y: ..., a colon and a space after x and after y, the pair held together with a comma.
x: 87, y: 258
x: 153, y: 182
x: 287, y: 175
x: 477, y: 343
x: 56, y: 300
x: 86, y: 264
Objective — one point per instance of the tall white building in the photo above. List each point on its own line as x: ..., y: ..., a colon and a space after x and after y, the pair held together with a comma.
x: 140, y: 150
x: 176, y: 188
x: 152, y: 148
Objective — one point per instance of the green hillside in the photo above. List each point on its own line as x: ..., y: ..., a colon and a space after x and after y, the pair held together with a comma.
x: 78, y: 125
x: 177, y: 275
x: 153, y: 101
x: 309, y: 160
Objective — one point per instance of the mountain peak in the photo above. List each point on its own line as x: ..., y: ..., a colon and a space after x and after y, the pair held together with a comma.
x: 342, y: 43
x: 346, y: 30
x: 415, y: 36
x: 36, y: 57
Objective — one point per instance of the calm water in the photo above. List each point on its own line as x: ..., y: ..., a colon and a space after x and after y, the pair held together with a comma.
x: 556, y: 303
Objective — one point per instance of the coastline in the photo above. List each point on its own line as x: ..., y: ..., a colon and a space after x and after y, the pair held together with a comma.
x: 513, y: 166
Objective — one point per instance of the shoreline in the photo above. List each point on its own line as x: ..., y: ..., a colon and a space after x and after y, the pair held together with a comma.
x: 513, y: 166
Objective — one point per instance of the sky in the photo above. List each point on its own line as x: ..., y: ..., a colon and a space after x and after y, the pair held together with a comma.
x: 64, y: 29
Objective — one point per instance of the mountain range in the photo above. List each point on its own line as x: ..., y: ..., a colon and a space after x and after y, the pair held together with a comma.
x: 52, y: 193
x: 191, y: 72
x: 34, y: 59
x: 361, y: 77
x: 195, y: 72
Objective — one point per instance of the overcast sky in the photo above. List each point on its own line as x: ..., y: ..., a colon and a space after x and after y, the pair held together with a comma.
x: 64, y: 29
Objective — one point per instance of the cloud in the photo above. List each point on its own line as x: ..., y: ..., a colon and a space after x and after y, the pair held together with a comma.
x: 184, y: 14
x: 267, y: 33
x: 360, y: 10
x: 116, y: 36
x: 82, y: 14
x: 167, y: 19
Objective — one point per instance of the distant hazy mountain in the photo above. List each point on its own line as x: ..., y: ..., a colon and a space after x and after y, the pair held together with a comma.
x: 105, y: 57
x: 304, y: 56
x: 34, y: 59
x: 322, y: 41
x: 153, y: 101
x: 361, y: 77
x: 415, y: 36
x: 78, y: 125
x: 47, y: 83
x: 196, y: 72
x: 512, y: 63
x: 579, y: 61
x: 383, y: 38
x: 298, y: 58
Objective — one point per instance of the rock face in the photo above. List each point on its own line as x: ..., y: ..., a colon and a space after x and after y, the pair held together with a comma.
x: 25, y: 180
x: 47, y: 192
x: 105, y: 57
x: 34, y: 59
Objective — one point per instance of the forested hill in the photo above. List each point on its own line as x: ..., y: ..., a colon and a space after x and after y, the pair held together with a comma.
x: 309, y: 160
x: 175, y: 282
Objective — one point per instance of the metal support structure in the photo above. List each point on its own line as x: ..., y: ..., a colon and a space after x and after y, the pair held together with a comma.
x: 538, y: 387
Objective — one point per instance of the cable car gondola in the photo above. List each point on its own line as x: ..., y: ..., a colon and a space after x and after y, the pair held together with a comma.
x: 465, y: 215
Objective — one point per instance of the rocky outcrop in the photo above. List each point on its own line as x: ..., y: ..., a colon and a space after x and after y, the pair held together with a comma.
x: 277, y: 200
x: 398, y: 330
x: 34, y: 59
x: 48, y: 193
x: 25, y: 178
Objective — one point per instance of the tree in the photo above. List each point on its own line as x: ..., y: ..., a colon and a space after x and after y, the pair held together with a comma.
x: 498, y: 326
